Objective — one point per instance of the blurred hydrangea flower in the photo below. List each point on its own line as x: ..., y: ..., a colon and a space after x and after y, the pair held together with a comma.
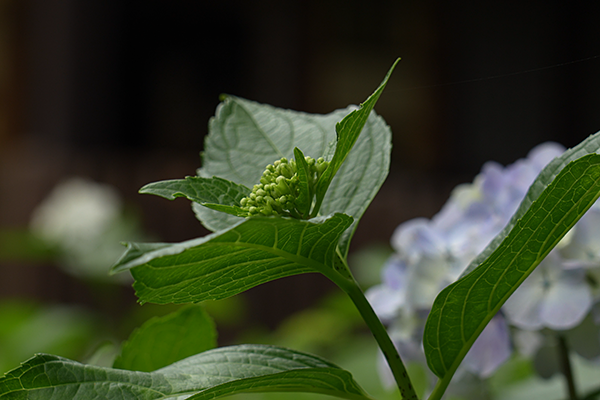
x: 552, y: 296
x: 430, y: 254
x: 563, y: 288
x: 85, y: 222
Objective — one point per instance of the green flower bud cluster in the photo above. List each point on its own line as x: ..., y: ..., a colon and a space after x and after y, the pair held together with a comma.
x: 279, y: 188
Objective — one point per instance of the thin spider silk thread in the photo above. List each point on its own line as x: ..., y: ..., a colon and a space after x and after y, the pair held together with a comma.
x: 487, y: 78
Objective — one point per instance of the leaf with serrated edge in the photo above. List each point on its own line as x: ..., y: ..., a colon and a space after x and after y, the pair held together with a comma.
x: 359, y: 178
x: 462, y: 310
x: 256, y: 251
x: 216, y: 193
x: 212, y: 374
x: 161, y: 341
x: 246, y: 136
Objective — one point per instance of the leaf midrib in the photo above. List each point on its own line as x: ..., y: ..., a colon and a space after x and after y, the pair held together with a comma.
x: 294, y: 258
x: 279, y: 371
x: 259, y: 128
x: 525, y: 275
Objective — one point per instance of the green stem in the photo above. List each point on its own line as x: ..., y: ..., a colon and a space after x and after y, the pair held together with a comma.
x: 565, y: 363
x: 440, y: 388
x: 385, y: 343
x: 593, y: 395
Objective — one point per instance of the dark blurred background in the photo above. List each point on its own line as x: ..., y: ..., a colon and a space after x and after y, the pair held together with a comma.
x: 121, y: 92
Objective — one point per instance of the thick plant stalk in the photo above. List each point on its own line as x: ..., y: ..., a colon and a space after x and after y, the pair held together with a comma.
x: 386, y: 345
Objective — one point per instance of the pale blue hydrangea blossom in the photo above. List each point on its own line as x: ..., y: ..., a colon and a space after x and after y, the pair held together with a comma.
x: 430, y: 254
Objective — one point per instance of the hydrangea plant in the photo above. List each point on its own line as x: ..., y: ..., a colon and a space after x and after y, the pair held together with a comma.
x: 312, y: 178
x: 431, y: 254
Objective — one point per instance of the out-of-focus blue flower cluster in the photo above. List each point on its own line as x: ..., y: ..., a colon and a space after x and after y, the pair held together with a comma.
x: 432, y: 253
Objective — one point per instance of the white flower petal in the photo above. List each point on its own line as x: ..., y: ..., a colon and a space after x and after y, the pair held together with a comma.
x: 522, y: 309
x: 566, y: 304
x: 425, y: 280
x: 385, y: 301
x: 543, y: 153
x: 415, y: 238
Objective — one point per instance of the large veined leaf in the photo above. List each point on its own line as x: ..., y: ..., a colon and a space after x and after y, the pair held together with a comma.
x: 161, y: 341
x: 215, y: 193
x: 257, y: 250
x: 209, y: 375
x: 359, y: 178
x: 245, y: 136
x: 546, y: 176
x: 462, y: 310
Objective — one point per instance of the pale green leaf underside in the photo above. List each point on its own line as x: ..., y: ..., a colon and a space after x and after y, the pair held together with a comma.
x: 461, y: 310
x: 209, y: 375
x: 246, y: 136
x: 161, y: 341
x: 223, y: 264
x: 547, y: 175
x: 359, y: 178
x: 215, y: 192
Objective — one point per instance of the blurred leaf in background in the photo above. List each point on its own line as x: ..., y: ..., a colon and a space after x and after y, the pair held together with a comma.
x: 28, y: 328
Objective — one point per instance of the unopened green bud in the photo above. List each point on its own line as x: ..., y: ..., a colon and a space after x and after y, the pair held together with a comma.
x: 282, y: 186
x: 269, y: 200
x: 286, y: 170
x: 321, y: 166
x: 267, y: 210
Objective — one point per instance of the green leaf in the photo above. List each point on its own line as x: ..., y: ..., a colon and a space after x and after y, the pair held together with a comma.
x: 359, y: 178
x: 462, y: 310
x: 161, y: 341
x: 27, y: 328
x: 546, y: 176
x: 258, y: 250
x: 245, y: 136
x: 305, y: 197
x: 215, y: 193
x: 348, y: 131
x: 215, y: 220
x: 209, y: 375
